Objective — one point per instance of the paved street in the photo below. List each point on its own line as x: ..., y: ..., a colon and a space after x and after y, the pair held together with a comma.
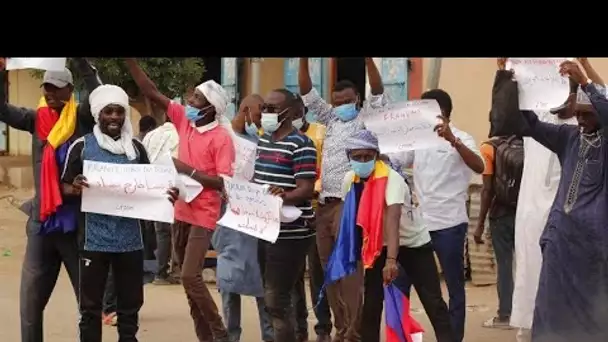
x: 165, y: 315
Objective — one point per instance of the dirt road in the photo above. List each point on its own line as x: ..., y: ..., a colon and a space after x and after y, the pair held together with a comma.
x: 165, y: 315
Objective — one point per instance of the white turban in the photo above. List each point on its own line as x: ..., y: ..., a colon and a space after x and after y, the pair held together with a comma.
x: 216, y: 95
x: 101, y: 97
x: 219, y: 98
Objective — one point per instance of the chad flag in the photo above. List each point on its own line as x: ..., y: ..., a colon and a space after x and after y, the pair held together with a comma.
x: 400, y: 326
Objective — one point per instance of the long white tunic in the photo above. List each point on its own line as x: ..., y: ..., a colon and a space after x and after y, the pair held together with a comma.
x: 539, y: 184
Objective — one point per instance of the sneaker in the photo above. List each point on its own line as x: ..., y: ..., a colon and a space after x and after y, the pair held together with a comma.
x: 165, y: 281
x: 497, y: 323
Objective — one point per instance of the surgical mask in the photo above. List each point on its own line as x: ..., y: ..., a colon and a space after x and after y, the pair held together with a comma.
x: 251, y: 129
x: 194, y: 114
x: 298, y: 123
x: 346, y: 112
x: 270, y: 121
x: 363, y: 169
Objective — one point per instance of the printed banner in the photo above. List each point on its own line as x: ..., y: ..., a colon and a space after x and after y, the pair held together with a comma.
x: 129, y: 190
x: 251, y: 210
x: 405, y: 126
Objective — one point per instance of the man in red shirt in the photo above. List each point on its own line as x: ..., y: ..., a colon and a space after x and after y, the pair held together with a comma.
x: 206, y: 151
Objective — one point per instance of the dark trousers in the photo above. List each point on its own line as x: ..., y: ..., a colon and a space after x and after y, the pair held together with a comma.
x: 449, y: 245
x: 322, y: 313
x: 502, y: 230
x: 163, y: 248
x: 44, y: 255
x: 128, y: 272
x: 109, y: 296
x: 421, y: 271
x: 282, y: 264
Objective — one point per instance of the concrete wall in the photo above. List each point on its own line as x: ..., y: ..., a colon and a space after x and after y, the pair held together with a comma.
x: 271, y: 75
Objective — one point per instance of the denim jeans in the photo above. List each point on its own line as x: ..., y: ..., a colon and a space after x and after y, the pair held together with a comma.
x: 231, y: 305
x: 502, y: 230
x: 449, y: 245
x: 163, y: 248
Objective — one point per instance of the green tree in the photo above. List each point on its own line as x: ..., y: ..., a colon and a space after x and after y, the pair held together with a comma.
x: 173, y: 76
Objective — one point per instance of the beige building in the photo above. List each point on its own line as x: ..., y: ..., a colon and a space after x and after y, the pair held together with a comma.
x: 468, y: 80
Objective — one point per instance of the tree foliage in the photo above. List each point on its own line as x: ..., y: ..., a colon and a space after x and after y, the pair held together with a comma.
x: 173, y: 76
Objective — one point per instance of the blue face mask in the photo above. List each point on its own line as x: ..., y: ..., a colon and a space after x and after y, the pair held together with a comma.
x: 251, y: 129
x: 194, y: 114
x: 346, y: 112
x: 363, y: 169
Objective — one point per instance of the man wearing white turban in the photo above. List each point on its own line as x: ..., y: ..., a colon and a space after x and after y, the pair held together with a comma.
x: 108, y: 240
x: 206, y: 151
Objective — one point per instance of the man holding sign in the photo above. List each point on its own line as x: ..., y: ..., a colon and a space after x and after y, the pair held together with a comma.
x: 442, y: 175
x: 108, y: 240
x: 286, y: 162
x: 51, y: 227
x: 206, y: 152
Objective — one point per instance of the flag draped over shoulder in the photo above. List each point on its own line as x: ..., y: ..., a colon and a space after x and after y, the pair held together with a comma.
x: 400, y: 326
x: 345, y: 255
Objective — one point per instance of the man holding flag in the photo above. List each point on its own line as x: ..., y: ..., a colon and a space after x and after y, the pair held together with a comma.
x: 379, y: 192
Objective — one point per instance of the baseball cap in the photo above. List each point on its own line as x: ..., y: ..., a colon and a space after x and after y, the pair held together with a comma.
x: 59, y: 79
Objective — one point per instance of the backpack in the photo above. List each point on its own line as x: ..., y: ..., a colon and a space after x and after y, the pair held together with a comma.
x: 508, y: 169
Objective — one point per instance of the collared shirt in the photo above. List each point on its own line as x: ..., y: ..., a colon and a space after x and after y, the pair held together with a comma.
x: 335, y: 161
x: 442, y: 181
x: 280, y: 163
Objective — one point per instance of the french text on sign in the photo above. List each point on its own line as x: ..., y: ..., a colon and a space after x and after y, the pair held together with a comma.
x: 129, y: 190
x: 245, y: 158
x: 404, y: 126
x: 540, y: 85
x: 251, y: 210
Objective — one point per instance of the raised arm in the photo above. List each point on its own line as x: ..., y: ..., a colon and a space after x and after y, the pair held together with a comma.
x: 91, y: 82
x: 593, y: 75
x: 16, y: 117
x: 597, y: 96
x: 554, y: 137
x: 311, y: 97
x: 146, y: 85
x: 375, y: 80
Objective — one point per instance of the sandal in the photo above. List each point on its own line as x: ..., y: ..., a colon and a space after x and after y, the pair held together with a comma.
x: 497, y: 323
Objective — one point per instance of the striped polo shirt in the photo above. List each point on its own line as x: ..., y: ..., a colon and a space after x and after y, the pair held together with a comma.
x: 280, y: 163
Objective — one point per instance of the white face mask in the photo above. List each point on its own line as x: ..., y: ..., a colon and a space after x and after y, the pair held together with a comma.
x: 298, y: 123
x: 270, y: 122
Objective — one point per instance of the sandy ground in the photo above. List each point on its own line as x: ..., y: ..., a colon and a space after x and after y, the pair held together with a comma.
x: 165, y: 315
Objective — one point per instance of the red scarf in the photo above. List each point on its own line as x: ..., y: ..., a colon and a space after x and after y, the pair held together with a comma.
x: 53, y: 136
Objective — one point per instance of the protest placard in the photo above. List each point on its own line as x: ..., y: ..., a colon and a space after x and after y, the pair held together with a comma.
x: 251, y: 210
x: 54, y: 64
x: 128, y: 190
x: 405, y: 126
x: 540, y: 85
x: 188, y: 187
x: 244, y: 161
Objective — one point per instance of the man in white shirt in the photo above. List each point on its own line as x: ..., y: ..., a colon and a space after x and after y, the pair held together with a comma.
x: 442, y: 175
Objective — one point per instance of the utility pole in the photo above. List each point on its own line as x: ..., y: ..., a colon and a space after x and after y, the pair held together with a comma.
x: 432, y: 80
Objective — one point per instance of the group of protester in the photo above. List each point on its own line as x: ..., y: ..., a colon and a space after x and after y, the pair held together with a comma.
x: 334, y: 173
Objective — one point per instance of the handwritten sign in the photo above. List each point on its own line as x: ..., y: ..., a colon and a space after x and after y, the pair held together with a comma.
x: 128, y: 190
x: 251, y: 210
x: 244, y: 161
x: 540, y: 85
x: 188, y: 187
x: 404, y: 126
x: 54, y: 64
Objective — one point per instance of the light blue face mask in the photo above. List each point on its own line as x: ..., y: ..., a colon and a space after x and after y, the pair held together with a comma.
x: 251, y: 129
x: 193, y: 114
x: 298, y: 123
x: 270, y: 121
x: 346, y: 112
x: 363, y: 169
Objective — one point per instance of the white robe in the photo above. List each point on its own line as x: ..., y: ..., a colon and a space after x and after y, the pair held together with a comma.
x: 539, y: 184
